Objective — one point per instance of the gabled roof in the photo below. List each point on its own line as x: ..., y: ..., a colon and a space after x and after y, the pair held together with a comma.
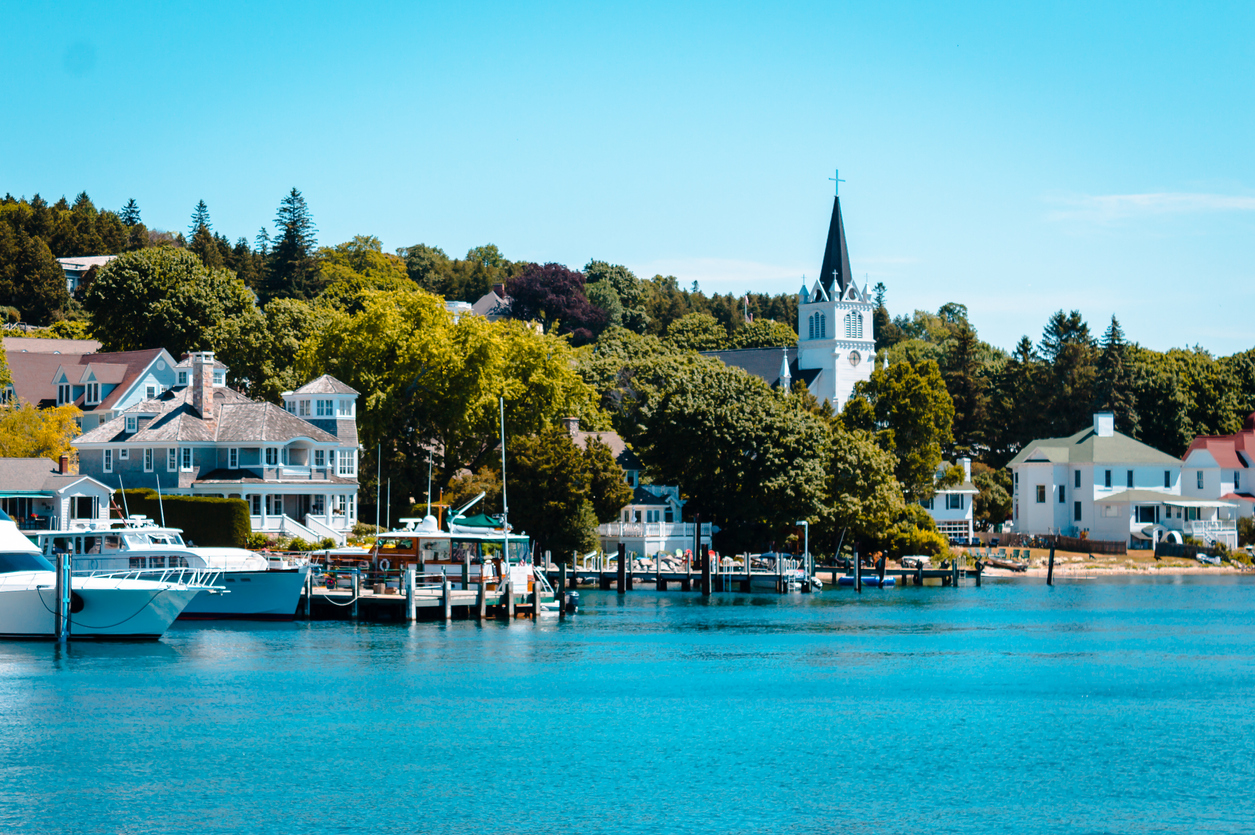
x: 236, y: 420
x: 84, y: 262
x: 1086, y: 447
x: 766, y: 363
x: 37, y: 475
x: 835, y: 271
x: 491, y: 305
x: 33, y: 374
x: 326, y: 384
x: 1232, y: 452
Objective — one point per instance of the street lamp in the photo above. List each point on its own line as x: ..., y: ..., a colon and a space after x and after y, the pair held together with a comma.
x: 806, y: 548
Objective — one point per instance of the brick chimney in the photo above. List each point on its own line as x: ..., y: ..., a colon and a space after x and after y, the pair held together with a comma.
x: 65, y: 464
x: 203, y: 384
x: 572, y: 424
x: 499, y: 289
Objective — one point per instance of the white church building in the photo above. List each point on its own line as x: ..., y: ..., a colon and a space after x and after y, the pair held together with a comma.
x: 836, y: 346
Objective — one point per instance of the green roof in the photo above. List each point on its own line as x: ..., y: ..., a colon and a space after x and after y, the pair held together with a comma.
x: 1085, y: 447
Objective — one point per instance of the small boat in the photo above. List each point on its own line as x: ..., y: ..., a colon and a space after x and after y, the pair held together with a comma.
x: 872, y: 580
x: 258, y: 587
x: 100, y: 607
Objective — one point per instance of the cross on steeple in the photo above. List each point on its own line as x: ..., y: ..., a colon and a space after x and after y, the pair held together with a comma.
x: 836, y: 178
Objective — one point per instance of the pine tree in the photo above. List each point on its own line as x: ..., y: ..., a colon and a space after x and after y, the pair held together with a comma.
x: 879, y: 290
x: 262, y: 242
x: 1114, y: 385
x: 966, y: 383
x: 292, y: 271
x: 130, y: 212
x: 200, y: 219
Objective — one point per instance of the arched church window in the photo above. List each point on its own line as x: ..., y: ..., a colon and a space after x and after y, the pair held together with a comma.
x: 811, y: 327
x: 823, y: 326
x: 853, y: 325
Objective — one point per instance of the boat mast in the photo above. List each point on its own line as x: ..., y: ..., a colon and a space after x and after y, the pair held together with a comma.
x: 160, y: 504
x: 505, y: 508
x: 125, y: 510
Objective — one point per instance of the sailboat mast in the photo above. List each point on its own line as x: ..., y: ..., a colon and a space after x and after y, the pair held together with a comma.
x: 505, y: 507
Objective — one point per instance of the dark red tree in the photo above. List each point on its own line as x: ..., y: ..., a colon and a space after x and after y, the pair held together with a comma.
x: 554, y: 296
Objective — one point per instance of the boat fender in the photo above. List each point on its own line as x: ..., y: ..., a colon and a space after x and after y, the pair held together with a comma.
x: 384, y: 565
x: 76, y: 603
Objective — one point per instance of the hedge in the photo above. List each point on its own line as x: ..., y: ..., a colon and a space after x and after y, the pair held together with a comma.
x: 205, y: 520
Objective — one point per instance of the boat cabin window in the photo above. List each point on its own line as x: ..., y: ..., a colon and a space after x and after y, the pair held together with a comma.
x: 518, y: 550
x: 113, y: 542
x: 177, y: 562
x: 21, y: 561
x: 91, y: 545
x: 58, y: 544
x: 434, y: 550
x: 463, y: 549
x: 136, y: 562
x: 406, y: 545
x: 135, y: 540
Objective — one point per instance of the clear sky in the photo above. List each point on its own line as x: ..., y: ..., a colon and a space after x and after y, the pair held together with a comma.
x: 1017, y: 158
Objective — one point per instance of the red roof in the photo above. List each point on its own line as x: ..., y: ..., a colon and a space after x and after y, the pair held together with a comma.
x: 33, y: 374
x: 1232, y: 452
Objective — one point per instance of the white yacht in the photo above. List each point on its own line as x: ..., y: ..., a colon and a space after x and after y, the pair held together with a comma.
x: 100, y: 607
x: 256, y: 587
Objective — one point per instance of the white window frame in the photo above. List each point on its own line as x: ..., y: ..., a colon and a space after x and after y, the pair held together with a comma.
x: 233, y: 458
x: 124, y: 454
x: 186, y: 459
x: 220, y: 377
x: 65, y: 394
x: 254, y: 504
x: 182, y: 378
x: 150, y: 391
x: 345, y: 408
x: 132, y: 424
x: 954, y: 501
x: 320, y: 458
x: 172, y: 459
x: 272, y: 456
x: 1200, y: 480
x: 302, y: 408
x: 1041, y: 494
x: 91, y: 395
x: 148, y: 460
x: 108, y: 460
x: 347, y: 462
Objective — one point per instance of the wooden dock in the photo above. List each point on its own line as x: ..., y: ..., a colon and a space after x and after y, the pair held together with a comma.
x: 420, y: 601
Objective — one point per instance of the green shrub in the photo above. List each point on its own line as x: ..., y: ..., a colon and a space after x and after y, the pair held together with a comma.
x: 257, y: 541
x: 298, y: 544
x: 204, y: 520
x: 1246, y: 531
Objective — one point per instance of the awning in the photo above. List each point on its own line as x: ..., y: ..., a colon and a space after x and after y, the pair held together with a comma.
x: 1175, y: 502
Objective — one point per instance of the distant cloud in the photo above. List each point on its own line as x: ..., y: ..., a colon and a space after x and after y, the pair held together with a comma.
x: 1105, y: 208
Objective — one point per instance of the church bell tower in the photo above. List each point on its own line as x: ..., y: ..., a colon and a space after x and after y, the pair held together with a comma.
x: 835, y: 322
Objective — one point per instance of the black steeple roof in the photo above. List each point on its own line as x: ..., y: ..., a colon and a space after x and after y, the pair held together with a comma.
x: 836, y: 256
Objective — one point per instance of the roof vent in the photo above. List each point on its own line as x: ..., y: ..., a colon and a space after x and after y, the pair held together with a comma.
x: 1104, y: 424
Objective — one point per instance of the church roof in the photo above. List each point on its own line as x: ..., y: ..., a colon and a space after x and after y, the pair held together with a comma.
x: 766, y: 363
x: 836, y: 268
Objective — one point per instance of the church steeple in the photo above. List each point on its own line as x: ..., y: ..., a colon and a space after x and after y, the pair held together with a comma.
x: 836, y: 268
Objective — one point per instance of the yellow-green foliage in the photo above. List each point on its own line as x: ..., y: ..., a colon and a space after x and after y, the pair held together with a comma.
x: 27, y: 432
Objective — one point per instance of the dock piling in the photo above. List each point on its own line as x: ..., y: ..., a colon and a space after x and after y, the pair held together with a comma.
x: 858, y: 573
x: 980, y: 567
x: 357, y: 592
x: 622, y: 586
x: 409, y: 593
x: 466, y: 571
x: 309, y: 595
x: 481, y: 601
x: 446, y: 595
x: 509, y: 599
x: 1050, y: 569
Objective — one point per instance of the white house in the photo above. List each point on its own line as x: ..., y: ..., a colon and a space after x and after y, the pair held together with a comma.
x: 296, y: 467
x: 1220, y: 467
x: 76, y: 268
x: 1105, y: 485
x: 39, y: 494
x: 953, y: 508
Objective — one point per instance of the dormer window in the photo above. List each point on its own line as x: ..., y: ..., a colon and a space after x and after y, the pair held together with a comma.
x: 324, y: 408
x: 131, y: 424
x: 303, y: 409
x: 64, y: 394
x: 290, y: 406
x: 92, y: 394
x: 183, y: 378
x: 220, y: 377
x: 346, y: 408
x: 150, y: 392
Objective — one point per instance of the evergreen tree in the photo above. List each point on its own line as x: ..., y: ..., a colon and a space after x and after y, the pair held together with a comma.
x: 966, y: 383
x: 130, y: 212
x: 1114, y: 387
x: 262, y: 242
x: 293, y: 271
x: 205, y: 247
x: 1069, y: 350
x: 879, y: 290
x: 200, y: 219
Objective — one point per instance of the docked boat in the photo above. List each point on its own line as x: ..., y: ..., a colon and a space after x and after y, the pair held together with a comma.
x: 870, y: 580
x: 256, y: 587
x: 100, y: 607
x: 472, y: 552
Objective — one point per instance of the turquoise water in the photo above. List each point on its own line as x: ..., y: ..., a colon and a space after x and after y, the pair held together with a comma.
x: 1102, y: 706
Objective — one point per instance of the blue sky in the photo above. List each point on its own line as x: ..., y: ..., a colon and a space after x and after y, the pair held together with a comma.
x: 1016, y: 158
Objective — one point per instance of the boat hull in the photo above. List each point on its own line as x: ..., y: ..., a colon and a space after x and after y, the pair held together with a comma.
x: 252, y: 595
x: 112, y: 609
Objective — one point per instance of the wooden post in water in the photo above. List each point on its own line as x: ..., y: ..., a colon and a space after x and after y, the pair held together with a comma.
x: 509, y: 599
x: 561, y: 596
x: 629, y: 573
x: 1050, y: 568
x: 357, y: 592
x: 980, y: 566
x: 919, y: 574
x: 880, y: 570
x: 705, y: 572
x: 481, y: 599
x: 466, y: 571
x: 61, y: 624
x: 535, y: 600
x: 954, y: 572
x: 858, y: 573
x: 622, y: 587
x: 309, y: 595
x: 410, y: 593
x: 446, y: 594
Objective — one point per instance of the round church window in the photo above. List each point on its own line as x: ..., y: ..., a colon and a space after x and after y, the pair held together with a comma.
x: 855, y: 359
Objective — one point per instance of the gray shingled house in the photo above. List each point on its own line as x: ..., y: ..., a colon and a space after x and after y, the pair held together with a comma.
x: 296, y: 467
